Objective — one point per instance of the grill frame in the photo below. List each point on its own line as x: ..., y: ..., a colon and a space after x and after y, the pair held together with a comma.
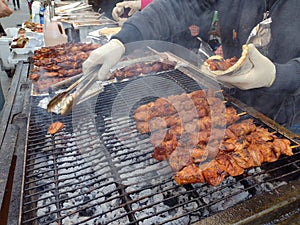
x: 282, y: 200
x: 14, y: 117
x: 122, y: 193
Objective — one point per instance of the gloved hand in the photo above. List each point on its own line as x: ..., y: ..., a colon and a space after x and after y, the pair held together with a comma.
x: 261, y: 74
x: 108, y: 55
x: 117, y: 12
x: 121, y: 21
x: 133, y: 5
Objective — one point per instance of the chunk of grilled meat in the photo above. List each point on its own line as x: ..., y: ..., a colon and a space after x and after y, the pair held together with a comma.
x: 180, y: 158
x: 187, y: 136
x: 184, y: 120
x: 189, y: 175
x: 55, y: 127
x: 220, y: 63
x: 211, y: 172
x: 241, y: 129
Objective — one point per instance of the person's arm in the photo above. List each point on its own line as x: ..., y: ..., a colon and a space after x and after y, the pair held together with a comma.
x: 144, y: 3
x: 287, y: 76
x: 158, y: 21
x: 134, y: 6
x: 161, y: 19
x: 4, y: 9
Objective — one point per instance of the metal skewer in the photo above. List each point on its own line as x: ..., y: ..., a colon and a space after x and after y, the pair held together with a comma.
x: 295, y: 146
x: 242, y: 114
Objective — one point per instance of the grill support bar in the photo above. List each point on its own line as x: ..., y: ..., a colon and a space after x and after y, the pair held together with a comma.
x: 13, y: 123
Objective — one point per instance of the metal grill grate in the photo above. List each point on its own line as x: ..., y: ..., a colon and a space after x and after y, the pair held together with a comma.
x: 100, y: 170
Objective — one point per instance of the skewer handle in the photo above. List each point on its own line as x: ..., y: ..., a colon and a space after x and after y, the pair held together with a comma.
x: 242, y: 114
x: 295, y: 146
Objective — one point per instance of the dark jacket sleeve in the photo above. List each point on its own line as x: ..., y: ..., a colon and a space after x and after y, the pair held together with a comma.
x: 163, y: 18
x: 287, y: 77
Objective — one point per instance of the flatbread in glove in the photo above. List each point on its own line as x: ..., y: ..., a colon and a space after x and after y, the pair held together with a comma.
x: 243, y: 63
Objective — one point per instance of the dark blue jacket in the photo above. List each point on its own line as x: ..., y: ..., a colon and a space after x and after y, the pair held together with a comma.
x: 163, y: 18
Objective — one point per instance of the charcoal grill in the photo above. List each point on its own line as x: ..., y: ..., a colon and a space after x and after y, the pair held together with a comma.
x: 100, y: 170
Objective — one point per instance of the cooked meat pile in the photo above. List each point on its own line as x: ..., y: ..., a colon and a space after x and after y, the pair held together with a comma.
x: 31, y: 25
x: 56, y: 63
x: 221, y: 64
x: 189, y: 129
x: 19, y: 42
x: 142, y: 68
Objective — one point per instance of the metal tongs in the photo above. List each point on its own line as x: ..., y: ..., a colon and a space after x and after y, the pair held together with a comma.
x: 65, y: 100
x: 204, y: 49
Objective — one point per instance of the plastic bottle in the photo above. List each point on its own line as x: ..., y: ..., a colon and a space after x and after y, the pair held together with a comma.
x: 54, y: 34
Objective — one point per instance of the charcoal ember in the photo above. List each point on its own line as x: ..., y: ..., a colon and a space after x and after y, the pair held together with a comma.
x: 170, y: 200
x: 87, y: 212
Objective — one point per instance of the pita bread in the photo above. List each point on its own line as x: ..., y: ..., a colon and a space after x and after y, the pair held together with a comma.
x: 243, y: 63
x: 109, y: 31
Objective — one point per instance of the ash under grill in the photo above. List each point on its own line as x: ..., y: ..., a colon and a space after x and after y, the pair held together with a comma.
x: 100, y: 170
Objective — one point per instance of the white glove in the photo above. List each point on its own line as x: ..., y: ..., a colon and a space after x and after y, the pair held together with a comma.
x: 121, y: 21
x: 133, y: 5
x: 108, y: 55
x: 117, y: 12
x: 262, y: 74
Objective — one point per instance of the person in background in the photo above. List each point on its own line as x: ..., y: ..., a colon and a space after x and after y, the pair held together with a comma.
x: 16, y: 4
x: 119, y: 14
x: 105, y: 6
x: 35, y: 10
x: 271, y: 86
x: 42, y: 11
x: 4, y: 12
x: 186, y: 38
x: 29, y: 2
